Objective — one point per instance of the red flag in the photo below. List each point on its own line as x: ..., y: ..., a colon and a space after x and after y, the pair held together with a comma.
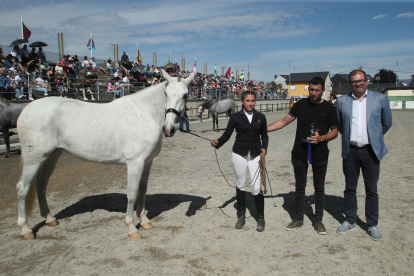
x: 26, y: 32
x: 228, y: 72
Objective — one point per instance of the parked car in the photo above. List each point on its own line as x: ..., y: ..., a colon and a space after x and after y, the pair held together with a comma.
x: 295, y: 99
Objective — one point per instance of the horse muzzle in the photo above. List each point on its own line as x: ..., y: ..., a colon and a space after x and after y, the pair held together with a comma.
x: 169, y: 131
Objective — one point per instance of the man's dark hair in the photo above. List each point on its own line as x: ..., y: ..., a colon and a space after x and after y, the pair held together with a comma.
x: 356, y: 72
x: 316, y: 81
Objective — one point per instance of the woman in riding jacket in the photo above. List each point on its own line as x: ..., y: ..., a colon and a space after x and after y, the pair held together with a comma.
x: 251, y: 140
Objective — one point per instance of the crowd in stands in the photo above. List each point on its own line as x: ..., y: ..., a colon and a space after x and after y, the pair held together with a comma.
x: 62, y: 77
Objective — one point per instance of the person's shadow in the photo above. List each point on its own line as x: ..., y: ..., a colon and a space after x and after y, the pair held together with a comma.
x: 250, y: 205
x: 334, y: 205
x: 116, y: 202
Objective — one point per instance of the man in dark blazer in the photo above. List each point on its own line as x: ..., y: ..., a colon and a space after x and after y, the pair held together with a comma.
x: 364, y: 117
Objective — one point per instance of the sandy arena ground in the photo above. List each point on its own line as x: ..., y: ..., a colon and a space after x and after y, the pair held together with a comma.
x: 193, y: 211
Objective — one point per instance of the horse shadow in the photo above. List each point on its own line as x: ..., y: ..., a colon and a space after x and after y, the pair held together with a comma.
x: 334, y: 205
x: 116, y: 202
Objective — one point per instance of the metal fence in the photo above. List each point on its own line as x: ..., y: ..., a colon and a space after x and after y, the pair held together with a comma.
x: 201, y: 92
x: 263, y: 108
x: 75, y: 88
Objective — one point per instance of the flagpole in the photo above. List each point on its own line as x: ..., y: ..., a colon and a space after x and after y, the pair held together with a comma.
x: 21, y: 24
x: 90, y: 39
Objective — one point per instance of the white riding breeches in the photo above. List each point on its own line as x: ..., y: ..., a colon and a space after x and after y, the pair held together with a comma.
x: 240, y: 165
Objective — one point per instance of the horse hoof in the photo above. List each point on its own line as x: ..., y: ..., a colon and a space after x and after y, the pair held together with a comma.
x: 28, y: 236
x: 147, y: 226
x: 135, y: 235
x: 52, y: 223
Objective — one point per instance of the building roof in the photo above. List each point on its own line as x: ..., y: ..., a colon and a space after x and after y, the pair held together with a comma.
x: 296, y: 77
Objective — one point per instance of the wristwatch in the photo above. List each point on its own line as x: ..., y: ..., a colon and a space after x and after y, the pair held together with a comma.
x: 321, y: 138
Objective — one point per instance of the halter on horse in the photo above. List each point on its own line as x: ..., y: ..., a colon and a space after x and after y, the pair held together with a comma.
x: 126, y: 131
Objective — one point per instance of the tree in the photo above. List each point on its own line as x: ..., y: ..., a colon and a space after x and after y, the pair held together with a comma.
x: 274, y: 85
x: 386, y: 76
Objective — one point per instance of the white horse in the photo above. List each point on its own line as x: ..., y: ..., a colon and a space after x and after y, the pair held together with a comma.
x: 215, y: 107
x: 126, y: 131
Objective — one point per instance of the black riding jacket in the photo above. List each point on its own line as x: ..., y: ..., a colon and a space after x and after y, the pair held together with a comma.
x: 249, y: 136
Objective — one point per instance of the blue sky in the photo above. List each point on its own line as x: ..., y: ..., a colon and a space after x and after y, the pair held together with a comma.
x: 264, y: 36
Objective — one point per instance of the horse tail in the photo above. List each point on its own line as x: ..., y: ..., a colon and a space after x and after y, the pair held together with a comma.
x: 30, y: 198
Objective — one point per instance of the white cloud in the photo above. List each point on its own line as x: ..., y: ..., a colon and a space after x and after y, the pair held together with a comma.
x: 406, y: 14
x: 351, y: 51
x: 379, y: 16
x: 251, y: 25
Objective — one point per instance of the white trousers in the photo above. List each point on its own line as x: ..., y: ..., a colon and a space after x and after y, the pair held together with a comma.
x: 240, y: 165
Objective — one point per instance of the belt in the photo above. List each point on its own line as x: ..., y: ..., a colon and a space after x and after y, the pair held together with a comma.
x: 357, y: 148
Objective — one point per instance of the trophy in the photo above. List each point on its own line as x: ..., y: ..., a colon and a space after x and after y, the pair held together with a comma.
x: 307, y: 140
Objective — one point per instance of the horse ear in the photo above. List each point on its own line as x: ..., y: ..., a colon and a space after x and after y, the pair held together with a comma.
x: 165, y: 75
x: 190, y: 78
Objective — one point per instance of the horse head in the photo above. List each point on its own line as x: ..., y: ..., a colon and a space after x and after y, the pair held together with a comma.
x: 176, y: 92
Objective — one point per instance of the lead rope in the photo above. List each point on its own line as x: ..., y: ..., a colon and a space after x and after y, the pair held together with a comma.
x: 261, y: 166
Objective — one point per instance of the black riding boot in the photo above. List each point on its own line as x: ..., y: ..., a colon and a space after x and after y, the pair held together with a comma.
x: 259, y: 200
x: 241, y: 208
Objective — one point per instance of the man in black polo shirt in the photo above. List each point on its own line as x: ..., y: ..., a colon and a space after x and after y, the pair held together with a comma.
x: 320, y: 116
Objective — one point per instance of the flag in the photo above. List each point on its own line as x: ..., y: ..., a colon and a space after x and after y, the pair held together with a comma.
x: 89, y: 44
x: 169, y: 58
x: 228, y: 72
x: 139, y: 57
x: 195, y: 65
x: 241, y: 76
x: 215, y: 69
x: 26, y: 32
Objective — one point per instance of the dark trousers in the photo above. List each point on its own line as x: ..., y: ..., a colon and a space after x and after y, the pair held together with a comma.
x: 184, y: 119
x: 319, y: 172
x: 361, y: 159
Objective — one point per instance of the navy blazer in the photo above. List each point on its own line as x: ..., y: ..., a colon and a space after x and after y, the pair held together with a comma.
x: 379, y: 121
x: 249, y: 136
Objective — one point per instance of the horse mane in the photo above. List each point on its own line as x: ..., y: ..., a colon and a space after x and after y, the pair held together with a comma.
x: 207, y: 104
x: 4, y: 103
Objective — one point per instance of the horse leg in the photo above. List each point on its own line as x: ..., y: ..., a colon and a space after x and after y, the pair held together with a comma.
x: 214, y: 122
x: 216, y: 118
x: 5, y: 131
x: 42, y: 180
x: 142, y: 191
x: 135, y: 170
x: 23, y: 186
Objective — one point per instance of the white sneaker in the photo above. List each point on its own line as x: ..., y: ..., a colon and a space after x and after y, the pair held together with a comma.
x: 85, y: 99
x: 93, y: 99
x: 31, y: 99
x: 46, y: 94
